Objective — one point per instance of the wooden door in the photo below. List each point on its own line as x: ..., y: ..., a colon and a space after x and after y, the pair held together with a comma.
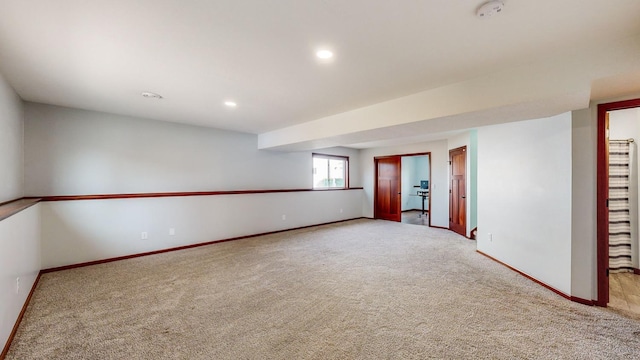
x: 457, y: 191
x: 387, y: 192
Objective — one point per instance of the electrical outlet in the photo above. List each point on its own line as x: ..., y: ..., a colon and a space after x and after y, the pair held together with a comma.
x: 172, y: 231
x: 17, y: 285
x: 340, y: 211
x: 490, y: 237
x: 144, y: 235
x: 284, y: 217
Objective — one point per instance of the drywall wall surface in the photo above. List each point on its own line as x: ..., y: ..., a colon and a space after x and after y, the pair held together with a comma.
x: 19, y: 264
x: 473, y: 167
x: 439, y: 192
x: 524, y: 197
x: 406, y: 187
x: 624, y: 125
x: 74, y: 152
x: 80, y: 231
x: 11, y: 140
x: 583, y: 209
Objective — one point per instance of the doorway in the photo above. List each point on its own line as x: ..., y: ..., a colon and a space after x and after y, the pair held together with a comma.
x: 611, y: 226
x: 402, y: 188
x: 415, y: 189
x: 458, y: 190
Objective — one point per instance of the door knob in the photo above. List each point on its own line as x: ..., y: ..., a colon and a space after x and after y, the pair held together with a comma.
x: 464, y: 197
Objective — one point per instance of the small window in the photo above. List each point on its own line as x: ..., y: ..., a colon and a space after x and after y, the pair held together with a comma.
x: 330, y: 172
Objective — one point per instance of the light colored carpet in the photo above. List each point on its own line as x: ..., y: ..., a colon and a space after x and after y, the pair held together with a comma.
x: 362, y: 289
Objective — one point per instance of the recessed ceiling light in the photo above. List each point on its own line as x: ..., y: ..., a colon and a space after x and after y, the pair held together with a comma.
x: 151, y: 95
x: 324, y: 54
x: 231, y: 104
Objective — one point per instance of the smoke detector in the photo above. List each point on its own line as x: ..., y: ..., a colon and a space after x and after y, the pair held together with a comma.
x: 490, y: 8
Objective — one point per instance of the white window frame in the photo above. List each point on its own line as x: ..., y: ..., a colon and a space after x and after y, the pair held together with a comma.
x: 331, y: 157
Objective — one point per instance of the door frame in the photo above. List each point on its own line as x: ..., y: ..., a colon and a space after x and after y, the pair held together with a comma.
x: 462, y: 149
x: 376, y: 160
x: 375, y: 180
x: 602, y: 179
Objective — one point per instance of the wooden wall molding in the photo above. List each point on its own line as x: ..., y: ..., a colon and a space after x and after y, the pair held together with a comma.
x: 175, y: 194
x: 9, y: 202
x: 566, y: 296
x: 13, y: 207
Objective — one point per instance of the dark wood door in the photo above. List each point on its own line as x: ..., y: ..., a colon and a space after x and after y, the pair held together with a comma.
x: 457, y: 191
x: 387, y: 195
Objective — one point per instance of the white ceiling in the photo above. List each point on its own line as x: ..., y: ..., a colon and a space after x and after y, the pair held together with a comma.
x: 100, y: 55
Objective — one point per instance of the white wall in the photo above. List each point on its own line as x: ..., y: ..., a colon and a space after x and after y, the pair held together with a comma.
x: 11, y: 153
x: 455, y: 142
x: 19, y: 234
x: 473, y: 166
x: 70, y: 151
x: 81, y: 231
x: 583, y: 209
x: 625, y: 124
x: 439, y: 192
x: 19, y: 258
x: 524, y: 197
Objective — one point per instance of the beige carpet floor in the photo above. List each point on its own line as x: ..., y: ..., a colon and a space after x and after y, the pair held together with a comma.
x: 362, y: 289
